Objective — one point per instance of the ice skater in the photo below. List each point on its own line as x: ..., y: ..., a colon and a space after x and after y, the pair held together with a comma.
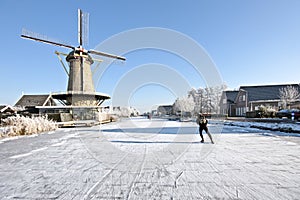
x: 202, y: 122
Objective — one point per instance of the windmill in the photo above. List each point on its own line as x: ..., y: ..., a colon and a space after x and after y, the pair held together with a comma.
x: 80, y: 89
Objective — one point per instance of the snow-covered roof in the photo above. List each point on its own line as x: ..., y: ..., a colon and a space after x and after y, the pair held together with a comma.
x: 4, y: 108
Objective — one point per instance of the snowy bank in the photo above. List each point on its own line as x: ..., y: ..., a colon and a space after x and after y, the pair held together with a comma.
x: 282, y: 127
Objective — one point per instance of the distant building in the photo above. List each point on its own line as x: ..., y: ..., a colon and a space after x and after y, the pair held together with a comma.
x: 250, y: 98
x: 6, y: 111
x: 153, y: 112
x: 165, y: 110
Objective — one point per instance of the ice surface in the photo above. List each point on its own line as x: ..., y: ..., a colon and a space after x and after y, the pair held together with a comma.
x: 151, y: 159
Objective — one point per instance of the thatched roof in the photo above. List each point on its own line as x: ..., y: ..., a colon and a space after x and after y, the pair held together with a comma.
x: 32, y: 100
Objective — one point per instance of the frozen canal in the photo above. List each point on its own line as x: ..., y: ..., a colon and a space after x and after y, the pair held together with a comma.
x: 142, y: 159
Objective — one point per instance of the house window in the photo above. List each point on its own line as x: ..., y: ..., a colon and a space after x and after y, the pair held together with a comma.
x: 244, y: 110
x: 244, y: 97
x: 224, y: 101
x: 240, y: 111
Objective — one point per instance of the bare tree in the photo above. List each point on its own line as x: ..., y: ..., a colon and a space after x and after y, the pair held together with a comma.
x: 288, y: 95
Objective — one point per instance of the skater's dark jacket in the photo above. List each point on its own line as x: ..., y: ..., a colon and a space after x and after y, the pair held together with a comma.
x: 202, y: 122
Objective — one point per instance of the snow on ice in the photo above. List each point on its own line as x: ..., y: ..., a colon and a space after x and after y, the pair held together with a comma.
x: 151, y: 159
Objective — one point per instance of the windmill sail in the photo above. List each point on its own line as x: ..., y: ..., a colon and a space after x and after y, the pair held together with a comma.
x: 106, y: 54
x: 85, y: 29
x: 79, y: 27
x: 42, y: 38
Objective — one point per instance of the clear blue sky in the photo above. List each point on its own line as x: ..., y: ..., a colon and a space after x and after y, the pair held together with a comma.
x: 251, y: 42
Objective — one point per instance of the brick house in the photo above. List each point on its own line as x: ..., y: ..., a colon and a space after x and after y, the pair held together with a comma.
x: 227, y: 102
x: 250, y: 98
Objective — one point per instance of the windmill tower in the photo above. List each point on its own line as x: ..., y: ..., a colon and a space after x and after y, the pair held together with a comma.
x: 80, y: 88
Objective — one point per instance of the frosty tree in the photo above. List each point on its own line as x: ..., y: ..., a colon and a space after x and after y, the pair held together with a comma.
x: 207, y: 99
x: 288, y: 95
x: 125, y: 111
x: 198, y: 98
x: 184, y: 104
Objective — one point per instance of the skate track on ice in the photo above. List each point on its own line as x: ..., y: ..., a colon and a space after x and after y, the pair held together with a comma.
x: 151, y: 159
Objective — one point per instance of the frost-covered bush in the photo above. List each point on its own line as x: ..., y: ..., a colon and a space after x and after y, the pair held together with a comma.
x: 20, y: 125
x: 125, y: 112
x: 266, y: 111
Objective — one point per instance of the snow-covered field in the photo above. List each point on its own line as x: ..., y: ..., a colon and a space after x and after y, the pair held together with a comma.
x: 151, y: 159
